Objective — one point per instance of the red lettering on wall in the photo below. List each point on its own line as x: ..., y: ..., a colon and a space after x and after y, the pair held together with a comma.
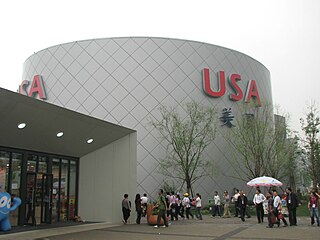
x: 233, y: 78
x: 237, y: 95
x: 207, y: 85
x: 37, y: 87
x: 23, y: 87
x: 252, y: 91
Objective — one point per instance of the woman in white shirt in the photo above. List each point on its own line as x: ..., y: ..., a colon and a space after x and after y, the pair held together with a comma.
x: 198, y: 207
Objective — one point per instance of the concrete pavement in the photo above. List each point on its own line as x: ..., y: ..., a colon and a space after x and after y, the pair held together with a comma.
x: 209, y: 228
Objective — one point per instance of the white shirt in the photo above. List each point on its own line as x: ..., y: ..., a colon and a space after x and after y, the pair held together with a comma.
x: 258, y: 198
x: 216, y: 200
x: 198, y: 202
x: 235, y: 197
x: 144, y: 200
x: 178, y: 201
x: 186, y: 202
x: 172, y: 199
x: 276, y: 202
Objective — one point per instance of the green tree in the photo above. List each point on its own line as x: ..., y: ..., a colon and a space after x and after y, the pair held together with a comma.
x: 186, y: 135
x: 311, y: 129
x: 293, y: 170
x: 260, y: 142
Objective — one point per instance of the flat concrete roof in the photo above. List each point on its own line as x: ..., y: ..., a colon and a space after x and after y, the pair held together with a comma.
x: 45, y: 120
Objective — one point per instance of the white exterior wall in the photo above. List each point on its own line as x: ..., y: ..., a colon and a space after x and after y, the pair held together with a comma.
x: 105, y: 175
x: 126, y: 80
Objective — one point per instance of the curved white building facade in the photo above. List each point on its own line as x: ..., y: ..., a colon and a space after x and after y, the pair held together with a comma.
x: 125, y: 80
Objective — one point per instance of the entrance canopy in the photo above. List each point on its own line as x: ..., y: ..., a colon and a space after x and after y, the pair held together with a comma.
x: 44, y: 121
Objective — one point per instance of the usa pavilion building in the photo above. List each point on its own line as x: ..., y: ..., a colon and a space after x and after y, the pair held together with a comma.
x: 77, y: 136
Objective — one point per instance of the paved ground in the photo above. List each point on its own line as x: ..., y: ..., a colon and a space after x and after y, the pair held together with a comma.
x: 209, y: 228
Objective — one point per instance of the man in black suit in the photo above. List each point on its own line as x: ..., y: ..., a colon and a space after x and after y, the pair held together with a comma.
x: 242, y: 204
x: 292, y: 203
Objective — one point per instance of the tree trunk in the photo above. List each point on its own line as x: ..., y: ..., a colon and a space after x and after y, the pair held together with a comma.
x: 189, y: 187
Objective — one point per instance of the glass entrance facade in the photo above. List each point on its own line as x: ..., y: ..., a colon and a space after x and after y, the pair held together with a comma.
x: 47, y: 185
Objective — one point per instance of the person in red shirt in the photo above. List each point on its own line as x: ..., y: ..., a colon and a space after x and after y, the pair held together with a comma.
x: 313, y: 206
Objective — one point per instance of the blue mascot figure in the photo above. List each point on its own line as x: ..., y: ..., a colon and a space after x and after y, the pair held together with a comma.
x: 6, y: 208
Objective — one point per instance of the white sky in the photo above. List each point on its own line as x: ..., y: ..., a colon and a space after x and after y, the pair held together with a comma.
x: 284, y: 35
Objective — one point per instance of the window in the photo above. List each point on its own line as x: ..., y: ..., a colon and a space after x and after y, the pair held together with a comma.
x: 4, y: 170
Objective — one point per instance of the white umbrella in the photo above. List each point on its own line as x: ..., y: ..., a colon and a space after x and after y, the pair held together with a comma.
x: 264, y: 181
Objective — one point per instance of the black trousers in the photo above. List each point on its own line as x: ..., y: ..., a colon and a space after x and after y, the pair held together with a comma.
x: 162, y: 214
x: 144, y: 209
x: 216, y: 210
x: 270, y: 219
x: 30, y: 214
x: 260, y: 212
x: 126, y: 214
x: 139, y: 214
x: 180, y: 211
x: 243, y: 212
x: 292, y: 215
x: 276, y: 213
x: 236, y: 208
x: 188, y: 212
x: 173, y: 212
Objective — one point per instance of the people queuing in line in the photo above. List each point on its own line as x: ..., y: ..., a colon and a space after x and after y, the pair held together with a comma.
x: 258, y: 201
x: 226, y: 205
x: 126, y: 208
x: 313, y: 206
x: 182, y: 206
x: 177, y: 206
x: 216, y: 206
x: 292, y: 204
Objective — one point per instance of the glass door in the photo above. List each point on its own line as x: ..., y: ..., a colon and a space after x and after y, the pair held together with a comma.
x: 39, y: 198
x: 31, y: 199
x: 46, y: 199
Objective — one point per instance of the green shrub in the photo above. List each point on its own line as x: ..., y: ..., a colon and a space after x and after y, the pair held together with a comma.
x: 302, y: 210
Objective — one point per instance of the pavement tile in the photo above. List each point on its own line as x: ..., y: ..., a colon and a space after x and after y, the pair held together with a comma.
x: 209, y: 228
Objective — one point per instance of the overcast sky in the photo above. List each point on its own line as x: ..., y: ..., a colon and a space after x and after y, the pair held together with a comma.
x: 284, y: 35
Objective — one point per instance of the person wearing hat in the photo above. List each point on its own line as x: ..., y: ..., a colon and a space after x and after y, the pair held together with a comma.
x: 186, y: 205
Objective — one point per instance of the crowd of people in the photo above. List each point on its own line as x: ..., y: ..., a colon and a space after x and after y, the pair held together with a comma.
x: 171, y: 206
